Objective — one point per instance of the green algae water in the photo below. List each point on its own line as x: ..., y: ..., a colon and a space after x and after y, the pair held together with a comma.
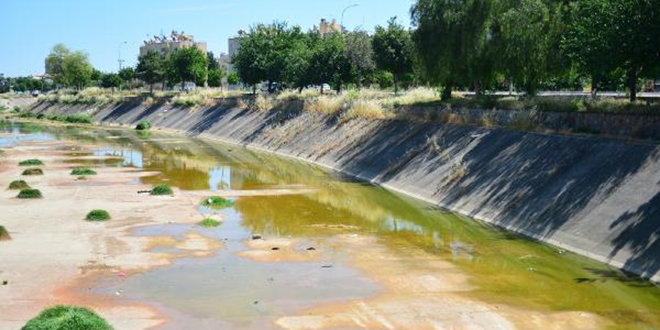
x: 226, y: 290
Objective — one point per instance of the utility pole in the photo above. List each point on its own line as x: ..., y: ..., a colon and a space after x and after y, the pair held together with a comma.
x: 341, y: 22
x: 119, y: 54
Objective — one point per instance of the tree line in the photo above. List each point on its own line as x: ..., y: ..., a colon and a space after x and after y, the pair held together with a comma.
x: 469, y: 44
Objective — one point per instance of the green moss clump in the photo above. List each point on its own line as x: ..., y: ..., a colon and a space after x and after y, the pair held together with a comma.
x: 33, y: 171
x: 143, y: 125
x: 209, y: 222
x: 98, y: 215
x: 18, y: 185
x: 29, y: 193
x: 4, y: 234
x: 83, y: 171
x: 217, y: 202
x: 67, y: 318
x: 30, y: 162
x: 161, y: 189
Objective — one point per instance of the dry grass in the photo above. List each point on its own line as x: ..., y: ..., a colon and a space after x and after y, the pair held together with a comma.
x: 324, y: 104
x: 365, y: 109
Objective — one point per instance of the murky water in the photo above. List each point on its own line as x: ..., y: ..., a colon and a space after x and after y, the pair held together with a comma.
x: 227, y: 290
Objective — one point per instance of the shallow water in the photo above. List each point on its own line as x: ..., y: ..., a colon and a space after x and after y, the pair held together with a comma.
x: 227, y: 290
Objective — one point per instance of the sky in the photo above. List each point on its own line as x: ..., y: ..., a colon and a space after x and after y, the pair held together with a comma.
x: 30, y: 28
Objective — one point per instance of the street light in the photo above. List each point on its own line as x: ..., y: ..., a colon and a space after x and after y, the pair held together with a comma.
x: 341, y: 23
x: 119, y: 52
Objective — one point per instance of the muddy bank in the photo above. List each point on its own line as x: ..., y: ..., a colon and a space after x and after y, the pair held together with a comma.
x: 596, y: 197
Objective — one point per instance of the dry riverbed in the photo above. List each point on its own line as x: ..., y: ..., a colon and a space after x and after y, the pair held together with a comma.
x: 55, y: 255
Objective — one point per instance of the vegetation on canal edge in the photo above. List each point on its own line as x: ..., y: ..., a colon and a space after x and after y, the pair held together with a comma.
x: 33, y: 171
x: 18, y: 185
x: 209, y: 223
x: 4, y: 234
x: 67, y: 318
x: 98, y: 215
x: 30, y: 162
x: 161, y: 189
x: 83, y: 171
x: 217, y: 202
x: 143, y: 125
x: 29, y: 193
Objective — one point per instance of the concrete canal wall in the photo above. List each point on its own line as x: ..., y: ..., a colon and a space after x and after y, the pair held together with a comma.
x: 595, y: 196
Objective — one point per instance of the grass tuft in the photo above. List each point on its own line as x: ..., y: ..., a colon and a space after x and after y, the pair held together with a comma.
x: 209, y: 222
x: 4, y: 234
x: 98, y: 215
x: 33, y: 171
x: 83, y: 171
x: 161, y: 189
x: 217, y: 202
x: 29, y: 193
x: 30, y: 162
x: 67, y: 318
x: 18, y: 185
x: 143, y: 125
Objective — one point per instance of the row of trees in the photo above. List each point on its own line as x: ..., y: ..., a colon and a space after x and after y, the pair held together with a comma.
x: 287, y: 57
x: 474, y: 44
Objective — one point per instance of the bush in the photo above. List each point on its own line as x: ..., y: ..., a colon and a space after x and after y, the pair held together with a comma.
x: 4, y: 234
x: 143, y: 125
x: 27, y: 115
x: 83, y: 171
x: 29, y: 193
x: 18, y: 185
x: 79, y: 119
x: 161, y: 189
x: 67, y: 318
x: 30, y: 162
x: 217, y: 202
x: 98, y: 215
x: 33, y: 171
x: 209, y: 222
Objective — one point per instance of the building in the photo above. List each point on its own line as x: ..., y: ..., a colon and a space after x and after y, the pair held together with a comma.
x: 175, y: 41
x: 326, y: 27
x: 233, y: 46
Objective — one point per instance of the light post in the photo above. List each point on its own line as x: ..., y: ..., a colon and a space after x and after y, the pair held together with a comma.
x: 119, y: 54
x: 341, y: 22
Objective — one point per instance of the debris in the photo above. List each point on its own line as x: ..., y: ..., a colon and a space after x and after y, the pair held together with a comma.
x: 274, y: 248
x: 326, y: 266
x: 255, y: 302
x: 311, y: 248
x: 144, y: 192
x: 5, y: 282
x: 256, y: 236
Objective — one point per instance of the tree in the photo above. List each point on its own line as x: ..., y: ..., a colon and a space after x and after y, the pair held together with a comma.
x: 151, y: 68
x: 249, y: 59
x: 392, y: 50
x: 215, y: 77
x: 127, y: 74
x: 76, y: 70
x: 360, y: 54
x: 110, y: 80
x: 449, y: 38
x: 54, y: 60
x: 233, y: 78
x: 328, y: 62
x: 188, y: 64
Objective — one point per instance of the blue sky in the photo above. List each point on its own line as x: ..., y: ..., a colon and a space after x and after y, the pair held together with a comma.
x: 31, y: 27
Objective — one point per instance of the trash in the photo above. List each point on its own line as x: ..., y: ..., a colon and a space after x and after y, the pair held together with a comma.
x: 274, y: 248
x: 311, y: 248
x: 5, y: 282
x: 255, y: 302
x: 256, y: 236
x: 326, y: 266
x: 144, y: 191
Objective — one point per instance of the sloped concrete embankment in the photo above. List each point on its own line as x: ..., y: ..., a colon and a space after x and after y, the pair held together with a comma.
x: 597, y: 197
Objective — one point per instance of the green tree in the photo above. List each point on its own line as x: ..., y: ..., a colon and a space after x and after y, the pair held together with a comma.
x: 77, y: 70
x: 151, y: 68
x: 110, y: 80
x: 328, y: 62
x: 392, y: 50
x: 127, y: 75
x: 215, y: 77
x: 54, y: 60
x: 449, y: 38
x: 188, y: 64
x: 360, y: 54
x: 233, y: 78
x: 249, y: 59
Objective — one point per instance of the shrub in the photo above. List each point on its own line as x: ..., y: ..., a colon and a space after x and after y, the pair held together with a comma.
x: 4, y: 234
x: 18, y: 185
x: 217, y: 202
x: 143, y: 125
x: 67, y: 318
x: 209, y: 222
x: 79, y: 119
x: 367, y: 109
x: 30, y: 162
x: 98, y: 215
x: 29, y: 193
x: 83, y: 171
x: 161, y: 189
x: 33, y: 171
x: 27, y: 115
x: 324, y: 104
